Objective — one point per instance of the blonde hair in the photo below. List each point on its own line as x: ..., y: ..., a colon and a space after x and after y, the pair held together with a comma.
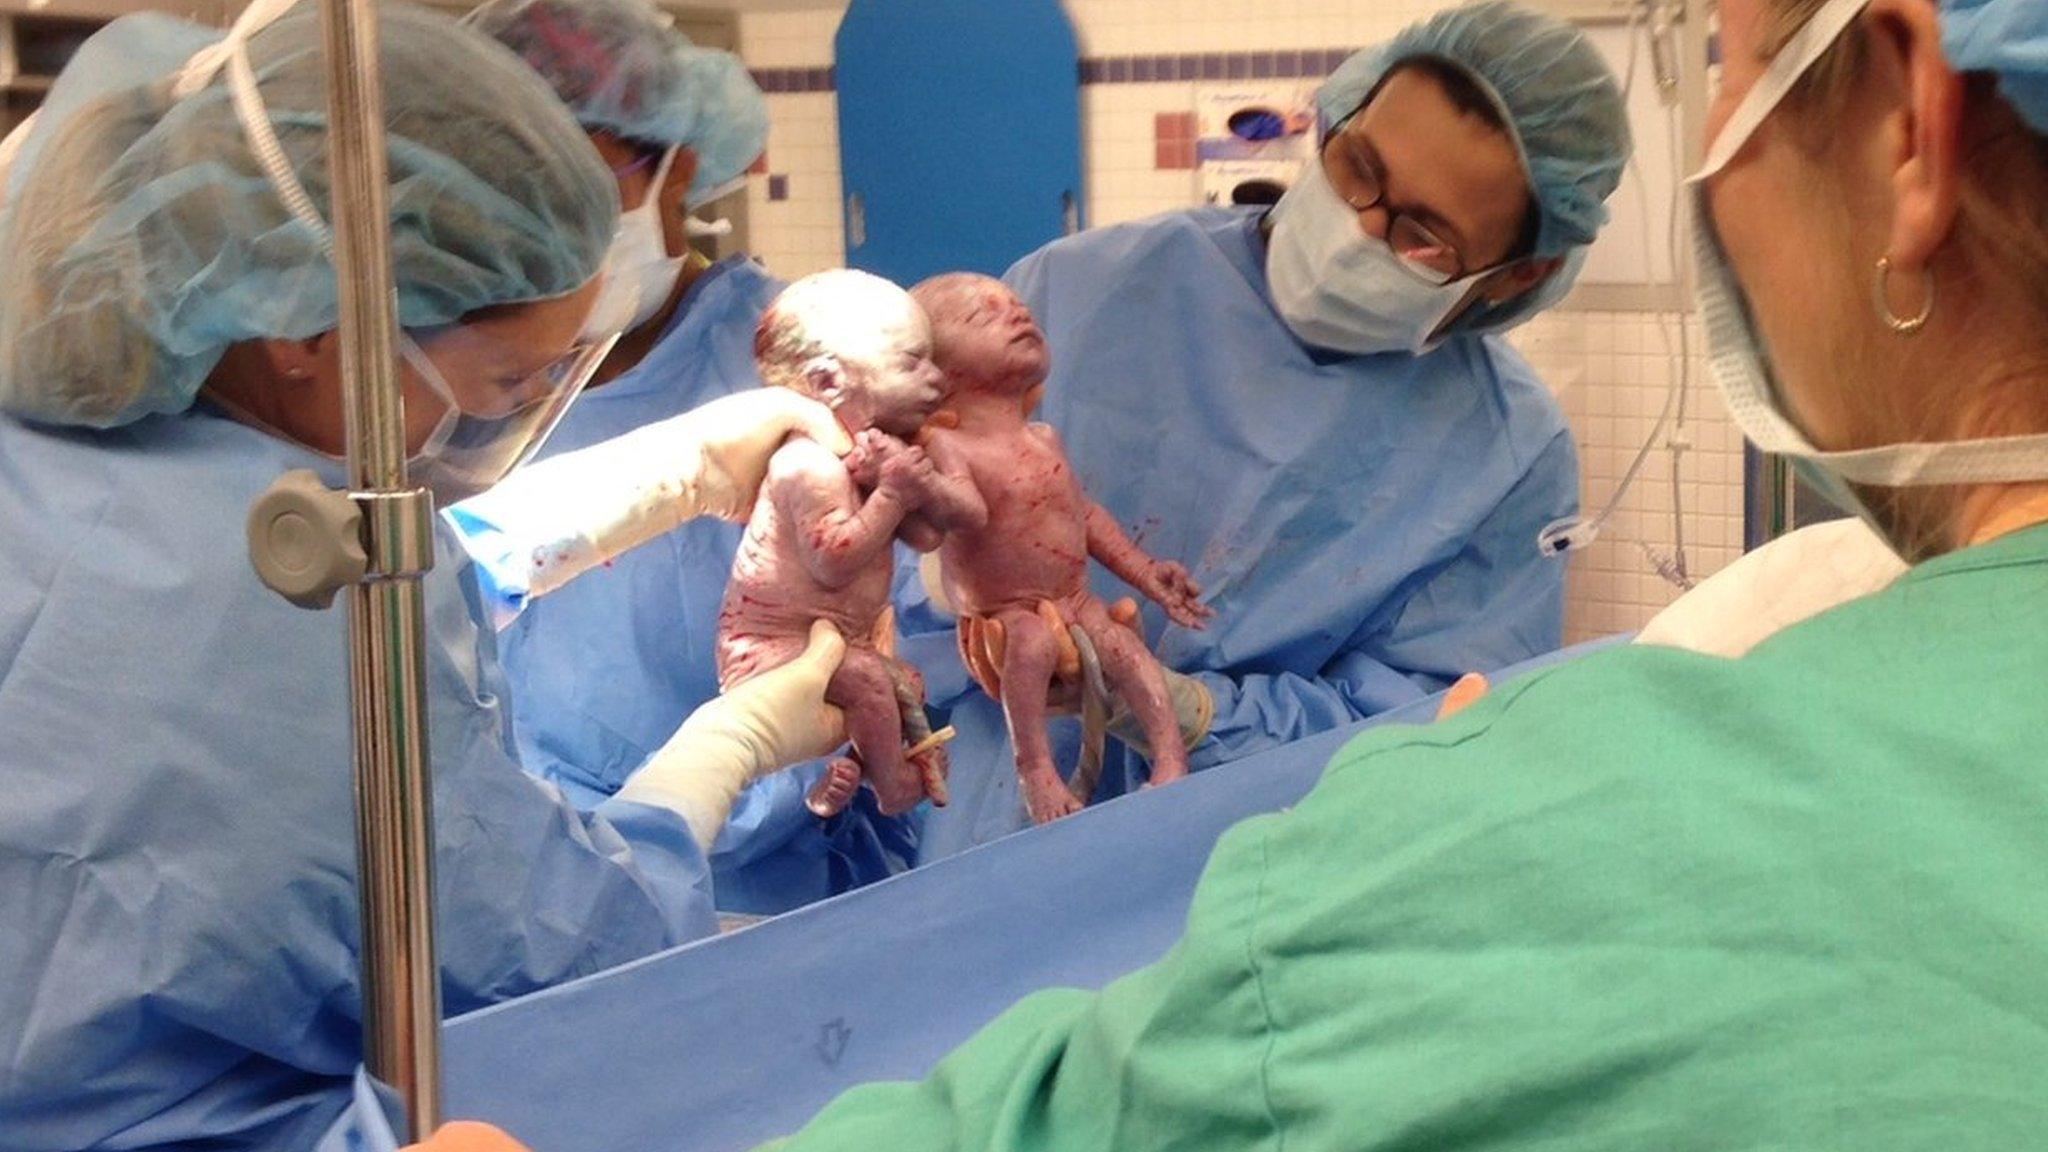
x: 2001, y: 232
x: 2004, y: 208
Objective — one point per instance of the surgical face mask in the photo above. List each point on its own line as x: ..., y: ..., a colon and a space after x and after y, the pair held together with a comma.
x: 1741, y: 367
x: 1338, y: 288
x: 639, y: 274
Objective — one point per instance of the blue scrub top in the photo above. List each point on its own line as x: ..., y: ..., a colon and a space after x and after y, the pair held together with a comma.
x: 606, y: 668
x: 179, y: 962
x: 1364, y: 526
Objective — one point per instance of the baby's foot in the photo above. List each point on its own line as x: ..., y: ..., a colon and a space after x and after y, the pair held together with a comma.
x: 1047, y: 797
x: 1166, y: 774
x: 834, y: 790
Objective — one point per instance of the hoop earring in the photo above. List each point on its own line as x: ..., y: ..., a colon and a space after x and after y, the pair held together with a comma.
x: 1904, y: 326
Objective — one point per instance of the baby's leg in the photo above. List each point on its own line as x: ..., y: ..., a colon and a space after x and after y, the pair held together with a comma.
x: 917, y: 728
x: 1030, y: 657
x: 745, y: 655
x: 864, y: 690
x: 1133, y: 674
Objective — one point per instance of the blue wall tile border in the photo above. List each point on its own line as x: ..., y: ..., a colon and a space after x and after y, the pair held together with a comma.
x: 1280, y: 64
x: 782, y: 81
x: 1277, y: 64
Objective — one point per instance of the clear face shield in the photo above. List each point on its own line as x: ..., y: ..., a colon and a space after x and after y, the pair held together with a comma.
x: 489, y: 426
x: 481, y: 437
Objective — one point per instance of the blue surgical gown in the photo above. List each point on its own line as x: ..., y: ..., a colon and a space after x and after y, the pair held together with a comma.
x: 178, y: 919
x: 604, y: 669
x: 1364, y: 526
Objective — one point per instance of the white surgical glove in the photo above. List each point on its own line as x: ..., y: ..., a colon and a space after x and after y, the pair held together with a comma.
x: 550, y: 522
x: 929, y: 574
x: 776, y: 720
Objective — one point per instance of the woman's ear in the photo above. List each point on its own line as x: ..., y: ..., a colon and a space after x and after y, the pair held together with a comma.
x: 1923, y: 112
x: 300, y: 361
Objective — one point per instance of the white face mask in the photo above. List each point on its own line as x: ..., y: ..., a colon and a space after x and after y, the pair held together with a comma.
x: 639, y: 274
x: 1742, y: 368
x: 1341, y: 289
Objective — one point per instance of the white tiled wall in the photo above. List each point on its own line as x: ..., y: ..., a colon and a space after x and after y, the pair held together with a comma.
x: 1612, y: 374
x: 805, y: 232
x: 1610, y: 370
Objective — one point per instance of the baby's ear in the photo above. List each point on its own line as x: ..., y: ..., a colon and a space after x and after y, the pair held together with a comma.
x: 826, y: 378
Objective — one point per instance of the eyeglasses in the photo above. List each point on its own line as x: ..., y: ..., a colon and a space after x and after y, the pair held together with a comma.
x: 1359, y: 180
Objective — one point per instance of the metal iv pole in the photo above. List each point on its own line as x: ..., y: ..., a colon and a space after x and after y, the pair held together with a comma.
x: 376, y: 540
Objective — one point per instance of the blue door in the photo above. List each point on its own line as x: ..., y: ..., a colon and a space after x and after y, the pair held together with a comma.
x: 959, y: 133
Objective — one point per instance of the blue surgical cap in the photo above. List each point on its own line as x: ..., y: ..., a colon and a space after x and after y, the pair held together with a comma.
x: 141, y: 237
x: 1563, y: 109
x: 622, y: 67
x: 2008, y: 38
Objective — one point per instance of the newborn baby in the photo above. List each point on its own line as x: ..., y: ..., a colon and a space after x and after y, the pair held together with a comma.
x: 817, y: 545
x: 1015, y: 561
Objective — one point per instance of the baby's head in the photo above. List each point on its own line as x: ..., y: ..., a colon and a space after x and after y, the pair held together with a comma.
x: 855, y: 342
x: 981, y: 333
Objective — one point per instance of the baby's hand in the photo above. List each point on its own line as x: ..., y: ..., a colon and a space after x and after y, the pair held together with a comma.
x: 870, y: 448
x: 1174, y: 589
x: 907, y: 474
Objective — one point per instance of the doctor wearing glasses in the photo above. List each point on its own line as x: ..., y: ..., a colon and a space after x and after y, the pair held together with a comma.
x: 1310, y: 407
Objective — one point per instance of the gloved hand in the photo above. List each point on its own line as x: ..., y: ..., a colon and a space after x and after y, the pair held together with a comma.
x: 776, y: 720
x: 550, y: 522
x: 1193, y: 706
x: 733, y: 437
x: 930, y: 574
x: 467, y: 1136
x: 1471, y: 688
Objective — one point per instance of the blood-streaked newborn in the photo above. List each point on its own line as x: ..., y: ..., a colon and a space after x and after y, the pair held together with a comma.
x: 1017, y: 567
x: 817, y: 546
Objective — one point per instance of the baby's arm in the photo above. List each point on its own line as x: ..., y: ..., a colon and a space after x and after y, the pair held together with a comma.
x: 838, y: 535
x: 952, y: 500
x: 946, y: 498
x: 1163, y: 581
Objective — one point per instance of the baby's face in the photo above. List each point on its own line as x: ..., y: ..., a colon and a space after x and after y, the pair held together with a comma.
x: 893, y: 377
x: 986, y: 332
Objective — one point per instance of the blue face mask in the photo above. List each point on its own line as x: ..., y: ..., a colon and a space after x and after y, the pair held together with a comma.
x: 1341, y: 289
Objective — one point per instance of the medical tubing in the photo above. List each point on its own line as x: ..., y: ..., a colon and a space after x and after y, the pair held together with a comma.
x: 1672, y: 569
